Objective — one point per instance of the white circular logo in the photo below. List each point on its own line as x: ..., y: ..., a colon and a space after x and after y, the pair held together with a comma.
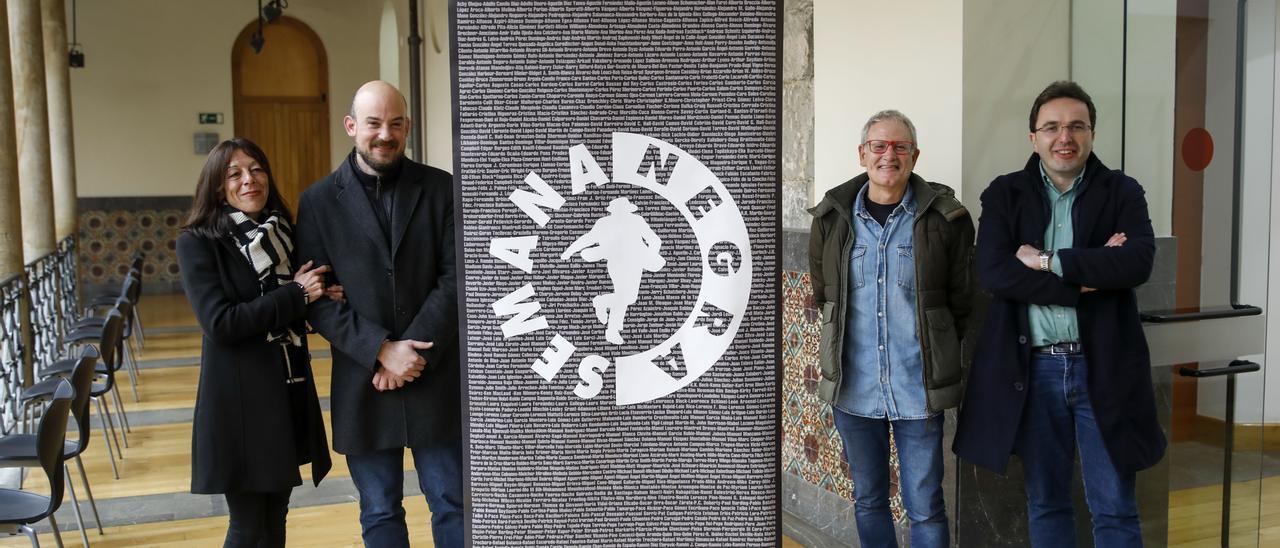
x: 629, y: 249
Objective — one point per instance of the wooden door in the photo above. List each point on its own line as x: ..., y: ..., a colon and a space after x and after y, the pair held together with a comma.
x: 281, y: 102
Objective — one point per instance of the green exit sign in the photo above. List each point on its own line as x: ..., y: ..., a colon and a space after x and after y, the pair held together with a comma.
x: 211, y: 117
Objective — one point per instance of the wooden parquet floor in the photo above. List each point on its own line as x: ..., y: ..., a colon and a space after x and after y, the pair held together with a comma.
x: 157, y: 464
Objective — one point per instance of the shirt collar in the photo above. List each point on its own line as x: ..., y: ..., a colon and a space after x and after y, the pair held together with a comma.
x: 1053, y: 190
x: 908, y: 203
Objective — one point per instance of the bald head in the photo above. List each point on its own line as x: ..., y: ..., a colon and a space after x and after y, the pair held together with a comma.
x: 378, y: 91
x: 379, y: 123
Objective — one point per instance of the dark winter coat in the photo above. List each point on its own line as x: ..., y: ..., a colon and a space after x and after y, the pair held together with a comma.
x: 1015, y: 211
x: 402, y: 289
x: 251, y: 430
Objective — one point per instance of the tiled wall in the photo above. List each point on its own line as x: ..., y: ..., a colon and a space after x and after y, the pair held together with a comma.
x: 113, y: 229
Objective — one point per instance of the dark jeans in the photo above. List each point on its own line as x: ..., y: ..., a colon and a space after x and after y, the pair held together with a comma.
x: 1057, y: 419
x: 866, y: 444
x: 257, y: 519
x: 379, y: 477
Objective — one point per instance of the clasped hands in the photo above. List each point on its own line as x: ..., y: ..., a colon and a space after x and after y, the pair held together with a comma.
x: 401, y: 363
x: 1030, y: 256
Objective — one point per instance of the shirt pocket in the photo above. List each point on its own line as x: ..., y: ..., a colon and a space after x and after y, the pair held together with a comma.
x: 857, y: 266
x: 906, y: 267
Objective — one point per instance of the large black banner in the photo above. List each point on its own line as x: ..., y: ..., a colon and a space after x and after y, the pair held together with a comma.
x: 618, y: 178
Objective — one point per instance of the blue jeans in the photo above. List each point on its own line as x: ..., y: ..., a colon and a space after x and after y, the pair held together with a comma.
x: 379, y: 477
x: 1058, y: 418
x: 866, y: 444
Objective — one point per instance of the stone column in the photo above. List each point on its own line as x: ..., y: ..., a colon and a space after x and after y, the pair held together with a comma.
x: 62, y: 150
x: 797, y: 114
x: 31, y: 120
x: 11, y: 240
x: 10, y: 206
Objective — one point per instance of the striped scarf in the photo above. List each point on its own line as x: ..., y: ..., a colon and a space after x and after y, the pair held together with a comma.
x: 267, y: 246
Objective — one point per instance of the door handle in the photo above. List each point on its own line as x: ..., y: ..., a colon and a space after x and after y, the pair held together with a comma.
x: 1203, y: 313
x: 1234, y: 368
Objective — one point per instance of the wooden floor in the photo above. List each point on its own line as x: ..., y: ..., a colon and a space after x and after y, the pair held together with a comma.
x: 158, y: 462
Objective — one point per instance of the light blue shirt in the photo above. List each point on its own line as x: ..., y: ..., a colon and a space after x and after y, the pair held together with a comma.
x: 1051, y: 324
x: 883, y: 373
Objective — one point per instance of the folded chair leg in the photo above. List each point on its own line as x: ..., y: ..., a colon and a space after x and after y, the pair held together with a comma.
x: 106, y: 405
x: 130, y: 367
x: 106, y: 438
x: 31, y: 534
x: 57, y: 537
x: 84, y: 478
x: 75, y: 504
x: 111, y: 395
x: 124, y: 419
x: 137, y: 324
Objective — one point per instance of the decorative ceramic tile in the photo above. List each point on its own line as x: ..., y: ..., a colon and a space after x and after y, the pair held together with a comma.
x: 811, y: 446
x: 109, y: 238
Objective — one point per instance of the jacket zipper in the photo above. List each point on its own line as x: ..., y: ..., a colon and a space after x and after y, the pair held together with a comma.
x: 842, y: 305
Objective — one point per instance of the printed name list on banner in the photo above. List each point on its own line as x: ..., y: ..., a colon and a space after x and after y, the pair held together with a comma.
x: 618, y: 180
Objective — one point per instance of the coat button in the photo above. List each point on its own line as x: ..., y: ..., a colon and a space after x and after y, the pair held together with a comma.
x: 1022, y: 339
x: 388, y: 271
x: 1017, y: 386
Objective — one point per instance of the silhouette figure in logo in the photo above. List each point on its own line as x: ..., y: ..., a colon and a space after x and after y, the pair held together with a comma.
x: 626, y: 242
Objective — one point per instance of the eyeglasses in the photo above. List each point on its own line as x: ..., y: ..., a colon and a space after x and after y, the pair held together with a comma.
x: 901, y: 148
x: 1071, y: 129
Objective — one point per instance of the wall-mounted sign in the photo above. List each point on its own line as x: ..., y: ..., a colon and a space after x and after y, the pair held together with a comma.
x: 211, y: 117
x: 617, y: 179
x: 205, y: 141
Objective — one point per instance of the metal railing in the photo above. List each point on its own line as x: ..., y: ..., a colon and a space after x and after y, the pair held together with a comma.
x: 68, y: 283
x: 43, y: 289
x: 12, y: 379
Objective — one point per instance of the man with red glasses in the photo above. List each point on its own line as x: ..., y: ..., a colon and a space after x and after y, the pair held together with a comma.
x: 1061, y: 363
x: 889, y: 257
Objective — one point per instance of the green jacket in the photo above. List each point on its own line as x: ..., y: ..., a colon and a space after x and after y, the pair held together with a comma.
x: 942, y: 237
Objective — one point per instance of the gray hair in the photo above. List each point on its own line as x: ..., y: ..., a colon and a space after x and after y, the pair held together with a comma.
x: 889, y: 114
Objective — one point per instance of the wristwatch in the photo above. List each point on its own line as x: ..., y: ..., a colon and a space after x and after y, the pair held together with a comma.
x: 1045, y: 254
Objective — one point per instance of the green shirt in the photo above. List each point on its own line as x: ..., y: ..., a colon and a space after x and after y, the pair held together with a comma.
x: 1052, y: 324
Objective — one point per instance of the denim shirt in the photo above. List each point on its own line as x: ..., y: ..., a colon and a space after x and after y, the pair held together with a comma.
x: 883, y: 371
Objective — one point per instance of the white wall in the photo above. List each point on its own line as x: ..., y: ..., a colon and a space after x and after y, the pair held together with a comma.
x: 1002, y: 78
x: 1097, y: 37
x: 152, y: 65
x: 1271, y: 385
x: 437, y: 84
x: 390, y: 47
x: 856, y: 74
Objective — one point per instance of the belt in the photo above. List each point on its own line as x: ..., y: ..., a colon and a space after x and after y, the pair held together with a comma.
x: 1059, y: 348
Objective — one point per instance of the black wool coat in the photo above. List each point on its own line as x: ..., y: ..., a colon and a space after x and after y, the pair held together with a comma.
x: 251, y: 430
x: 403, y: 289
x: 1015, y: 211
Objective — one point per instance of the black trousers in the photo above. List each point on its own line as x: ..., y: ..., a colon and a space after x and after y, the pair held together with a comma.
x: 257, y: 519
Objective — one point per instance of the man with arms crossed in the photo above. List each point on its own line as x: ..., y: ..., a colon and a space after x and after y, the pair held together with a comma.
x: 384, y: 225
x: 1061, y: 362
x: 889, y: 260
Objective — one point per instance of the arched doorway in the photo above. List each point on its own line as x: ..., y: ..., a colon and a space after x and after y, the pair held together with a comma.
x: 281, y: 101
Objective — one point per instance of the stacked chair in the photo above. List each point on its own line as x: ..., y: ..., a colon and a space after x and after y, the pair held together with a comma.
x: 18, y: 508
x: 109, y: 337
x: 110, y: 344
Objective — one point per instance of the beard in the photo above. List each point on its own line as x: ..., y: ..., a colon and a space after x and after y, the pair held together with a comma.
x: 380, y: 166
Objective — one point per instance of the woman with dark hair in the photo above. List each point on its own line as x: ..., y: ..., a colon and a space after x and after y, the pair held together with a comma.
x: 257, y: 417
